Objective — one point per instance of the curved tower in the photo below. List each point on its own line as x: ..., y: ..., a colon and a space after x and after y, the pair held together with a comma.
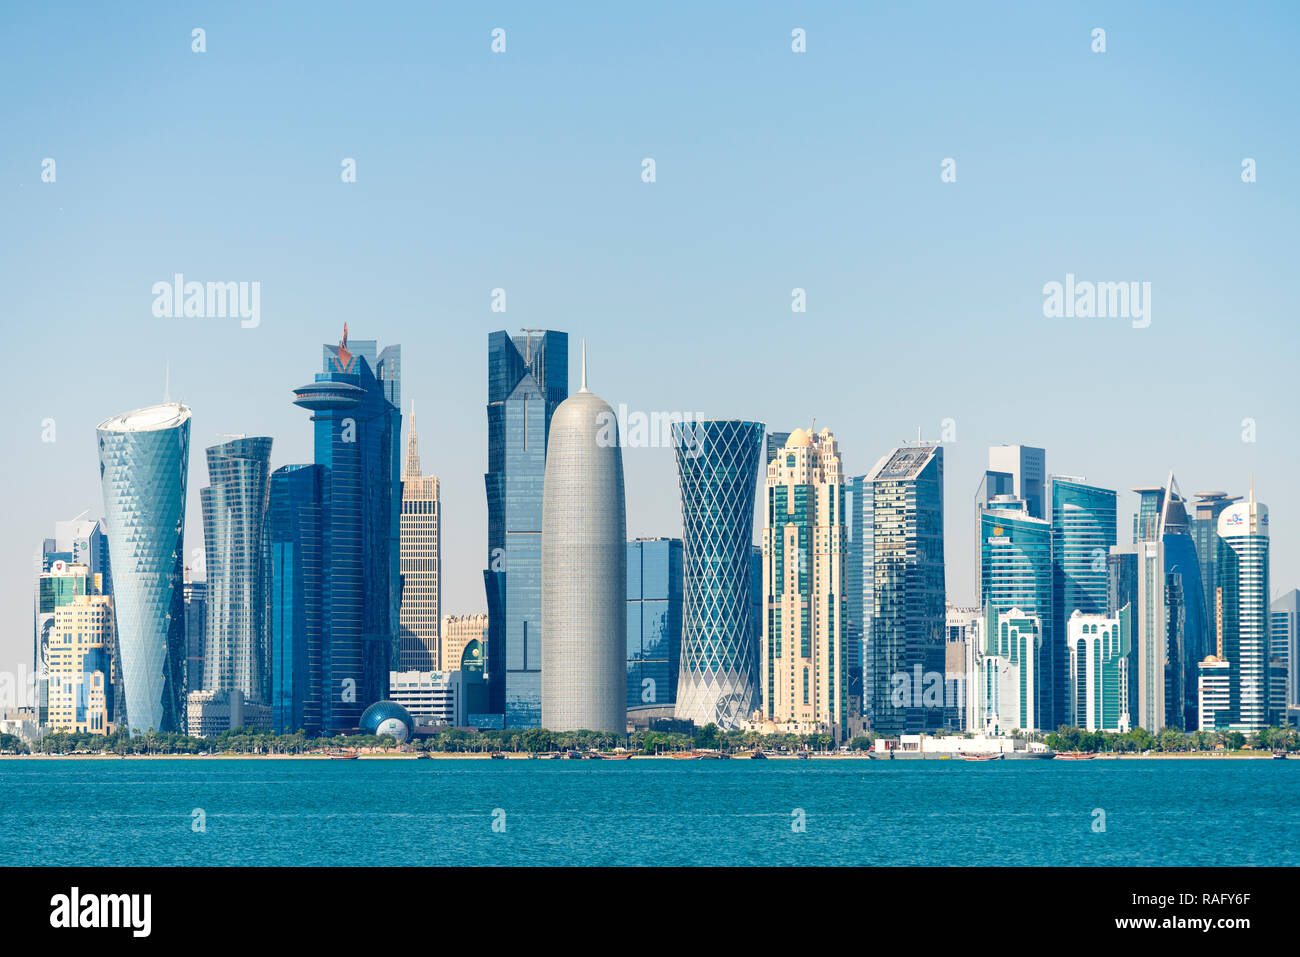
x: 143, y: 463
x: 717, y: 465
x: 234, y: 515
x: 584, y: 569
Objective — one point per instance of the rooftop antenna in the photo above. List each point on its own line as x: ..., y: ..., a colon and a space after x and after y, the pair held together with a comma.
x: 584, y: 366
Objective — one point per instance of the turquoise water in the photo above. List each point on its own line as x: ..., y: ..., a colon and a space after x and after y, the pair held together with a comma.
x: 441, y: 812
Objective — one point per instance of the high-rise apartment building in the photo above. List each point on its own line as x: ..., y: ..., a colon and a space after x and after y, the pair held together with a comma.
x: 718, y: 471
x: 144, y: 463
x: 421, y: 563
x: 528, y: 378
x: 803, y: 660
x: 907, y: 627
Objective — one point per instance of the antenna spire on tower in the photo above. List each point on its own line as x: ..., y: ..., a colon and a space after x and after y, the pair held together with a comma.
x: 584, y: 366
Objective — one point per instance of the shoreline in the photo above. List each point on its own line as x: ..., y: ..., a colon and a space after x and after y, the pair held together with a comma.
x: 523, y: 756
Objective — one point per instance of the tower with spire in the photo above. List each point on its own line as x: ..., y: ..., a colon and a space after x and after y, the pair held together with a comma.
x: 420, y: 563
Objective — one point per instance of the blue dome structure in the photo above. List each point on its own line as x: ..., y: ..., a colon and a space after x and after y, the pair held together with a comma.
x: 388, y: 717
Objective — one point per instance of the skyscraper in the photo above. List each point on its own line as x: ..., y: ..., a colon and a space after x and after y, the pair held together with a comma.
x: 859, y: 592
x: 907, y: 628
x: 1009, y: 674
x: 1284, y: 640
x: 1205, y: 533
x: 295, y: 557
x: 584, y: 569
x: 1099, y: 657
x: 1243, y: 577
x: 717, y: 468
x: 234, y: 512
x: 1016, y: 572
x: 654, y: 622
x: 1083, y: 531
x: 143, y: 464
x: 1015, y: 470
x: 1179, y: 631
x: 357, y: 428
x: 803, y: 662
x: 421, y: 563
x: 196, y: 624
x: 528, y: 378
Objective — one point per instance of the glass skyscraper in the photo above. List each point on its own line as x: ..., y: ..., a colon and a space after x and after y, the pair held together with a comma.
x: 1016, y: 572
x: 295, y: 555
x: 859, y: 581
x: 1083, y: 531
x: 143, y: 464
x: 717, y: 467
x: 357, y: 429
x: 654, y: 622
x: 528, y: 378
x: 1243, y: 582
x: 908, y: 621
x: 234, y: 510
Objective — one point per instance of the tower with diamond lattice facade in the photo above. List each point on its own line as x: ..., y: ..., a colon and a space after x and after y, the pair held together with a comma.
x: 717, y: 464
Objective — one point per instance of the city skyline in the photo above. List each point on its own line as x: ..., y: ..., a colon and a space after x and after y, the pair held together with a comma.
x: 685, y: 309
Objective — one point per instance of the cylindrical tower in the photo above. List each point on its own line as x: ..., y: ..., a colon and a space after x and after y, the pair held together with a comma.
x: 584, y: 570
x: 717, y: 462
x: 143, y: 463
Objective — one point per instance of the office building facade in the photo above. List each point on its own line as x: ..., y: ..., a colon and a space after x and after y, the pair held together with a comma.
x: 654, y: 622
x: 1083, y: 532
x: 584, y: 570
x: 356, y: 422
x: 234, y: 514
x: 144, y: 464
x: 421, y: 563
x: 907, y: 628
x: 528, y: 378
x: 718, y: 680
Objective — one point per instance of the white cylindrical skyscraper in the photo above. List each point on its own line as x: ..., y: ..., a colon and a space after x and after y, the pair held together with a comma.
x: 584, y: 569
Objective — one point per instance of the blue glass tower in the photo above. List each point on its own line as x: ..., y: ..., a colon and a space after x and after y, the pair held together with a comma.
x: 1016, y: 572
x: 143, y: 464
x: 1083, y: 531
x: 528, y: 377
x: 234, y: 509
x: 357, y: 427
x: 717, y: 465
x: 654, y: 621
x: 294, y: 555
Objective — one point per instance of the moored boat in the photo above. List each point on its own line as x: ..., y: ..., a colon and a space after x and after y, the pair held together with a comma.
x: 343, y: 756
x: 1076, y: 756
x: 980, y: 757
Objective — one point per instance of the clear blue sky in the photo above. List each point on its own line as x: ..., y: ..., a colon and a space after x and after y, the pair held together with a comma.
x: 774, y: 170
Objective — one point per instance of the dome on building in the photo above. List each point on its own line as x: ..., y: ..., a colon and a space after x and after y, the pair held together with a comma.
x: 799, y: 439
x: 388, y: 717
